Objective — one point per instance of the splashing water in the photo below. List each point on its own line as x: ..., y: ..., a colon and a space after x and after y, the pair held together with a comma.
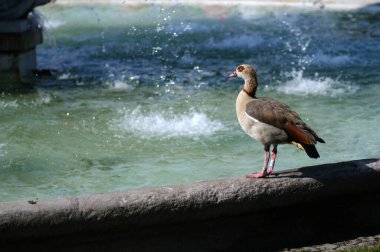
x: 168, y: 125
x: 235, y: 42
x: 3, y: 150
x: 340, y: 60
x: 120, y: 85
x: 299, y: 85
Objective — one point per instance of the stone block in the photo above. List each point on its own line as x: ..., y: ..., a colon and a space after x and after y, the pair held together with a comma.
x: 15, y: 26
x: 15, y: 42
x: 17, y: 67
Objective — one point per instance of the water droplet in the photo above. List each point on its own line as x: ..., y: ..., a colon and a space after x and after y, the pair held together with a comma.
x: 188, y: 27
x: 156, y: 49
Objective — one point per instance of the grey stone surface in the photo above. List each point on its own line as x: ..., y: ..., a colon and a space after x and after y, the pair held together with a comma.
x: 290, y: 207
x: 360, y: 242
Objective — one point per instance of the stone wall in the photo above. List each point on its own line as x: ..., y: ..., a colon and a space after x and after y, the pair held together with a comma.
x: 298, y: 207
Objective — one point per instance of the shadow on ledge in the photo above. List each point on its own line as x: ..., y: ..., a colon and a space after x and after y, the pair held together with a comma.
x: 300, y: 207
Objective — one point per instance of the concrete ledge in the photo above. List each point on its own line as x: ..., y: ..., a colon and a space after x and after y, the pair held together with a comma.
x: 293, y: 207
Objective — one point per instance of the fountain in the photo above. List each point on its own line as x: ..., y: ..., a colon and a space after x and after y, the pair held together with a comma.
x: 109, y: 153
x: 20, y: 33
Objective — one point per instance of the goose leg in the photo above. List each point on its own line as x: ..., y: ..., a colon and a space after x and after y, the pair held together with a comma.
x: 263, y: 173
x: 273, y: 159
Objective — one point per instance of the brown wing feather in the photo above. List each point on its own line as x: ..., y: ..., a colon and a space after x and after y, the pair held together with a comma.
x: 298, y: 135
x: 280, y: 115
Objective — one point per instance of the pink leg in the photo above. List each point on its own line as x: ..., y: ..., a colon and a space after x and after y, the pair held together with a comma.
x: 263, y: 173
x: 273, y: 160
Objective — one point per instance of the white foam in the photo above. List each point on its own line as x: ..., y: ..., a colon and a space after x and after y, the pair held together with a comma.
x: 8, y: 104
x: 64, y: 76
x: 168, y: 124
x: 3, y: 150
x: 41, y: 100
x: 38, y: 101
x: 318, y: 86
x: 52, y: 24
x: 119, y: 85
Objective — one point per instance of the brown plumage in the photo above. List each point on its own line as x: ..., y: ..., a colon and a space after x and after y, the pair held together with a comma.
x: 270, y: 122
x: 281, y: 116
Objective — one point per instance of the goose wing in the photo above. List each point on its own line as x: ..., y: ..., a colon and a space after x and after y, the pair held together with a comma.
x: 280, y: 115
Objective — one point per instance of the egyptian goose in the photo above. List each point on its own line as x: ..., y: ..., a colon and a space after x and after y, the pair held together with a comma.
x: 270, y: 122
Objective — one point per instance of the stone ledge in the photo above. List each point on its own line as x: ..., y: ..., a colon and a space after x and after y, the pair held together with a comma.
x: 18, y: 42
x: 181, y: 210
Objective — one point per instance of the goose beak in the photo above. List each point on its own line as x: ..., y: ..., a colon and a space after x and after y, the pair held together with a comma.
x: 233, y: 75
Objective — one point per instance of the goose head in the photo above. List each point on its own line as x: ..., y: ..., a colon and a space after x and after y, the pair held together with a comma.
x: 244, y: 71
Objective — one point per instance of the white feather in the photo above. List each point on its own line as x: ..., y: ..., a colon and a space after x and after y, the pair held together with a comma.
x: 251, y: 117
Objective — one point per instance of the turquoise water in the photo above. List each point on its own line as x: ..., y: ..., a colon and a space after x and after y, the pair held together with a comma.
x: 140, y: 98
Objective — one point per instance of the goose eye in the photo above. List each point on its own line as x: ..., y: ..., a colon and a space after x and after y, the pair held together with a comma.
x: 240, y: 68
